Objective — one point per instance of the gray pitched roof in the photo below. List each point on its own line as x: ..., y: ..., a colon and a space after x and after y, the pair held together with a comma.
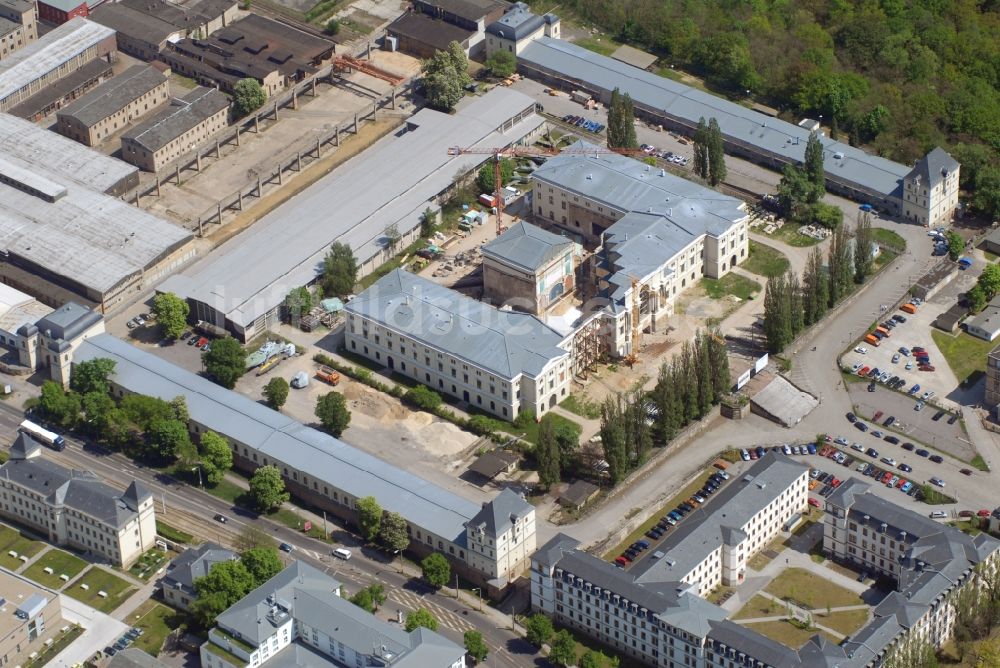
x: 817, y: 652
x: 504, y: 343
x: 934, y: 167
x: 518, y: 22
x: 68, y: 321
x: 194, y: 563
x: 131, y: 657
x: 24, y: 446
x: 80, y: 490
x: 113, y: 95
x: 740, y: 124
x: 497, y: 516
x: 182, y: 115
x: 527, y: 247
x: 310, y: 596
x: 708, y: 527
x: 280, y: 438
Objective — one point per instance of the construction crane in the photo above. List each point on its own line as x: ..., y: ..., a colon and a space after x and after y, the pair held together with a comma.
x: 351, y: 63
x: 529, y: 152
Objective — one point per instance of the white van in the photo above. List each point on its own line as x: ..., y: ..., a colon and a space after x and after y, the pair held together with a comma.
x: 342, y: 553
x: 938, y: 514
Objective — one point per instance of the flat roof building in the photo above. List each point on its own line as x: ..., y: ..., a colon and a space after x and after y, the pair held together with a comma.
x: 176, y: 130
x: 242, y: 283
x: 76, y: 508
x: 331, y: 474
x: 112, y: 106
x: 55, y: 55
x: 298, y: 618
x: 17, y: 309
x: 63, y: 235
x: 30, y: 617
x: 18, y: 25
x: 421, y: 36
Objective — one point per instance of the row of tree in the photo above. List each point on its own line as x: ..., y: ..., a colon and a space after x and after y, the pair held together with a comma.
x: 621, y: 121
x: 709, y: 158
x: 986, y: 288
x: 791, y: 304
x: 562, y: 645
x: 556, y: 449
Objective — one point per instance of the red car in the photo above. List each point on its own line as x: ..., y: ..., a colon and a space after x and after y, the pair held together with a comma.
x: 902, y: 481
x: 813, y: 502
x: 965, y: 513
x: 887, y: 477
x: 835, y: 483
x: 983, y: 513
x: 878, y: 414
x: 917, y: 349
x: 863, y: 371
x: 622, y: 560
x: 926, y: 367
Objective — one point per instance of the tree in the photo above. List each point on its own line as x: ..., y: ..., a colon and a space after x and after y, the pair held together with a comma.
x: 332, y: 27
x: 863, y: 240
x: 538, y: 629
x: 169, y: 440
x: 143, y: 411
x: 839, y: 265
x: 486, y: 177
x: 955, y: 244
x: 370, y: 598
x: 794, y: 191
x: 171, y: 314
x: 701, y: 149
x: 547, y: 454
x: 263, y: 563
x: 392, y: 237
x: 476, y: 646
x: 427, y: 221
x: 613, y: 438
x: 297, y: 303
x: 59, y: 406
x: 225, y: 362
x: 216, y: 457
x: 276, y: 392
x: 179, y: 409
x: 248, y: 96
x: 436, y: 569
x: 392, y: 533
x: 567, y: 436
x: 226, y: 583
x: 331, y: 409
x: 989, y: 280
x: 827, y: 215
x: 369, y: 517
x: 98, y: 409
x: 421, y: 618
x: 621, y: 121
x: 777, y: 318
x: 91, y: 375
x: 340, y: 270
x: 423, y: 398
x: 562, y: 650
x: 444, y: 76
x: 501, y: 64
x: 592, y: 659
x: 251, y: 537
x: 812, y: 164
x: 267, y: 489
x: 716, y: 155
x: 977, y: 298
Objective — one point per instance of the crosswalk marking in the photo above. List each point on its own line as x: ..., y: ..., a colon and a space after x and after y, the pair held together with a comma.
x: 446, y: 617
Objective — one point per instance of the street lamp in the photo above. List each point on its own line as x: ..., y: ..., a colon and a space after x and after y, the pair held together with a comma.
x: 479, y: 595
x: 198, y: 469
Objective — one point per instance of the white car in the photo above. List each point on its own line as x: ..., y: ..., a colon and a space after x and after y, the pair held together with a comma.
x: 937, y: 481
x: 895, y: 358
x: 854, y: 369
x: 862, y: 350
x: 909, y: 366
x: 888, y: 460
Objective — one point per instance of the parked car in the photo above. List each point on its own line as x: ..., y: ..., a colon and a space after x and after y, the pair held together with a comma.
x: 921, y: 453
x: 872, y: 452
x: 937, y: 482
x: 861, y: 426
x: 891, y: 439
x: 965, y: 471
x: 906, y: 468
x: 938, y: 416
x: 952, y: 419
x: 937, y: 459
x: 862, y: 350
x: 907, y: 446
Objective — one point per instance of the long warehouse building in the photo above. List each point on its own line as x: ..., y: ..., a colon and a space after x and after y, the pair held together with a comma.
x: 63, y: 237
x: 489, y: 544
x: 747, y: 133
x: 241, y: 285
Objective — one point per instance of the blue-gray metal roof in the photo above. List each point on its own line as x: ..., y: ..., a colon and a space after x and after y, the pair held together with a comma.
x: 517, y: 23
x: 527, y: 247
x: 739, y: 124
x: 504, y: 343
x: 282, y: 439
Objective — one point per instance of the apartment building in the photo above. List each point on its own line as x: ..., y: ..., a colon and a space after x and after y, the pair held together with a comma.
x: 650, y: 231
x: 177, y: 584
x: 930, y: 190
x: 30, y: 617
x: 114, y: 105
x: 517, y: 28
x: 498, y: 361
x: 298, y: 618
x: 18, y: 25
x: 529, y: 268
x: 75, y: 508
x: 177, y: 130
x: 331, y: 475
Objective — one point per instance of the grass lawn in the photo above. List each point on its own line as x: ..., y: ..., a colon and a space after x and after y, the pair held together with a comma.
x: 61, y: 563
x: 157, y: 620
x: 802, y: 586
x: 980, y: 463
x: 12, y: 541
x: 759, y: 606
x: 789, y: 233
x: 845, y: 621
x: 148, y: 564
x: 164, y: 530
x: 680, y: 497
x: 966, y: 355
x: 933, y: 497
x: 765, y: 260
x: 98, y: 580
x: 787, y: 633
x: 528, y: 429
x: 603, y: 46
x: 582, y: 407
x: 227, y: 490
x: 889, y: 238
x: 730, y: 284
x: 760, y: 560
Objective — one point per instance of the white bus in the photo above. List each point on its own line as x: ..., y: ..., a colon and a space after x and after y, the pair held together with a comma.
x: 39, y: 433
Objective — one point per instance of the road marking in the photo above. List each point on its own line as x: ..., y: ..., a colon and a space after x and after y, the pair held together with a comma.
x: 446, y: 617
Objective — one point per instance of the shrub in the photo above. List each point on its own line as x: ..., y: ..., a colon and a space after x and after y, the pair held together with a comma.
x: 423, y: 398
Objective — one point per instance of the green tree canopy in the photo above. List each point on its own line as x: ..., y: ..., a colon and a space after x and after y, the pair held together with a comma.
x: 340, y: 271
x: 562, y: 650
x: 547, y: 454
x: 143, y: 411
x: 263, y: 563
x: 267, y: 489
x: 421, y: 618
x: 392, y: 532
x: 332, y: 27
x: 955, y: 244
x: 813, y: 166
x: 423, y: 398
x: 370, y: 598
x: 248, y: 96
x: 369, y: 517
x: 297, y: 303
x: 436, y: 569
x: 169, y: 440
x: 621, y: 121
x: 171, y: 314
x: 91, y: 375
x: 331, y: 409
x: 538, y: 629
x: 276, y: 392
x: 716, y: 155
x: 226, y: 583
x: 485, y: 178
x: 475, y: 646
x: 501, y: 64
x: 225, y: 361
x: 216, y: 457
x: 59, y: 406
x: 444, y: 76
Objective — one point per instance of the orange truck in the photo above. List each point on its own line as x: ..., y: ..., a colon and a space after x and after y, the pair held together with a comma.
x: 328, y: 375
x: 908, y: 308
x: 884, y: 331
x: 871, y: 339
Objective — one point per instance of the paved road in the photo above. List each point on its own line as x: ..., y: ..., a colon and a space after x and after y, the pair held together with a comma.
x: 192, y: 510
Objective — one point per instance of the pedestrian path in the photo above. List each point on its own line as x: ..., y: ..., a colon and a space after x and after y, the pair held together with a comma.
x: 410, y: 601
